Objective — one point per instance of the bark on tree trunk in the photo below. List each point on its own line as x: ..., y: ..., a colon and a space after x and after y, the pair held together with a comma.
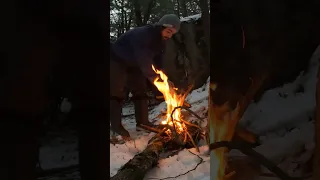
x: 184, y: 8
x: 137, y: 13
x: 316, y: 166
x: 196, y: 61
x: 206, y: 25
x: 138, y: 166
x: 147, y: 13
x: 178, y: 8
x: 130, y: 19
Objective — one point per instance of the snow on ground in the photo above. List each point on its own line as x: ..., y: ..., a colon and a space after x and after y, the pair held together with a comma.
x: 282, y: 117
x: 182, y: 163
x: 274, y: 112
x: 122, y: 153
x: 61, y: 151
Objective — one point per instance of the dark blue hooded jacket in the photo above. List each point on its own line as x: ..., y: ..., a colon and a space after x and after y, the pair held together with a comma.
x: 141, y: 47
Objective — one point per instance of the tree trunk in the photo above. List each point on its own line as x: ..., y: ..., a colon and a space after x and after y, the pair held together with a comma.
x: 184, y: 8
x: 147, y: 13
x: 137, y: 13
x: 123, y: 19
x: 130, y: 19
x: 205, y: 16
x: 178, y: 8
x: 196, y: 60
x: 316, y: 166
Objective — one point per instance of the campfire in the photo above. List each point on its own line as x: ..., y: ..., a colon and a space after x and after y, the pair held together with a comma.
x: 176, y: 132
x: 173, y: 100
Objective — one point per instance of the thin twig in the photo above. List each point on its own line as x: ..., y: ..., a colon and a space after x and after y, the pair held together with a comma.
x: 157, y: 135
x: 150, y: 128
x: 192, y: 141
x: 200, y: 162
x: 190, y: 111
x: 174, y: 126
x: 185, y: 137
x: 190, y: 124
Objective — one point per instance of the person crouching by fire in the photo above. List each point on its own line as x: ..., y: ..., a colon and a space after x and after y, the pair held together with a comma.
x: 132, y: 57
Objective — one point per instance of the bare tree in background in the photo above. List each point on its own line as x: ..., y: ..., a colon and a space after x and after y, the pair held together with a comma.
x: 142, y: 17
x: 205, y: 16
x: 121, y: 16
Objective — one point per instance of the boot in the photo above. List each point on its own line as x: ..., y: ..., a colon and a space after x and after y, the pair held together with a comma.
x: 141, y: 114
x: 115, y: 119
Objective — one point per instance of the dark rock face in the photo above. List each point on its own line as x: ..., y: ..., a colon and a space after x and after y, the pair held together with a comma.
x: 252, y: 38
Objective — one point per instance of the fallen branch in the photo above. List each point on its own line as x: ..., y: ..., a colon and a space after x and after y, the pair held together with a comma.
x: 137, y: 167
x: 243, y: 147
x: 150, y: 128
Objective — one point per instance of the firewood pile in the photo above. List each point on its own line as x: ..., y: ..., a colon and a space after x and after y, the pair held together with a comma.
x: 179, y: 135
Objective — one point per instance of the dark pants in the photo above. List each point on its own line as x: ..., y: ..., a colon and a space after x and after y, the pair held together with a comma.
x: 72, y: 46
x: 131, y: 77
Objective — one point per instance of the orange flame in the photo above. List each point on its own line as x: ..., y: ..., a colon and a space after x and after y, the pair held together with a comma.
x: 172, y: 99
x: 222, y: 124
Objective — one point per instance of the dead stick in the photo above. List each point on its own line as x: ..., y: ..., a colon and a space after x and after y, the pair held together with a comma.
x: 150, y: 128
x: 190, y: 111
x: 255, y: 155
x: 158, y: 135
x: 185, y: 137
x: 190, y: 124
x: 192, y: 141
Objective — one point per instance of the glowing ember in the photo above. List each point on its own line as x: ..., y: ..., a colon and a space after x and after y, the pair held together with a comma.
x: 172, y: 99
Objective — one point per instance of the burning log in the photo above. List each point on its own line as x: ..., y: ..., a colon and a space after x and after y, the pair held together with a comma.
x: 137, y: 167
x: 166, y: 139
